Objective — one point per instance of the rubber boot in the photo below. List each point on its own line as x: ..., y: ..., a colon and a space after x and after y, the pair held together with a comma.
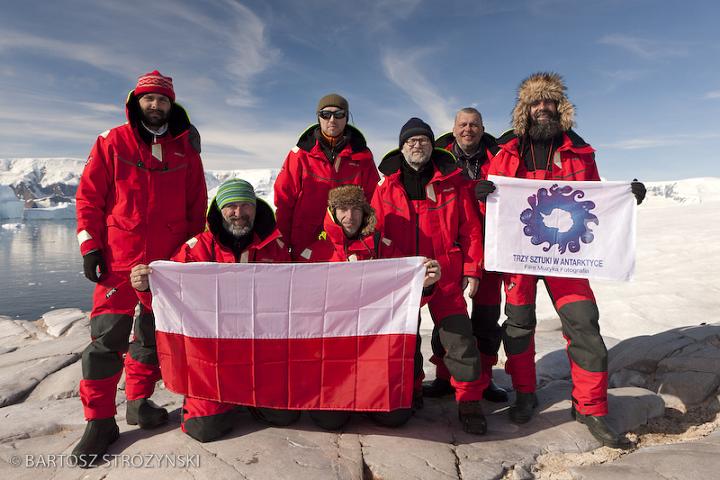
x: 523, y: 408
x: 495, y: 393
x: 472, y: 418
x: 602, y: 431
x: 439, y: 387
x: 98, y: 436
x: 145, y: 413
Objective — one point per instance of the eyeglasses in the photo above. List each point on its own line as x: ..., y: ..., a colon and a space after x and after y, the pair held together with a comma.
x: 326, y: 114
x: 417, y: 141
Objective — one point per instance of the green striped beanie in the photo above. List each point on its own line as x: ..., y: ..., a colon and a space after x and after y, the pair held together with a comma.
x: 234, y: 190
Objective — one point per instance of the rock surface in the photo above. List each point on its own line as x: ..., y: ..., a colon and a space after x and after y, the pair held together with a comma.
x: 46, y: 419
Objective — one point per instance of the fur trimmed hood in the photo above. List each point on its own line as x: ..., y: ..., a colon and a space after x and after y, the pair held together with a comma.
x: 353, y: 196
x: 542, y: 86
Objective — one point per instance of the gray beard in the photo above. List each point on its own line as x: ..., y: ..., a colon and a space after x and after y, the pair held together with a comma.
x: 417, y: 164
x: 546, y: 130
x: 236, y: 231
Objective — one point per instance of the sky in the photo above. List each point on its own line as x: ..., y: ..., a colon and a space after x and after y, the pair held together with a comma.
x: 644, y: 75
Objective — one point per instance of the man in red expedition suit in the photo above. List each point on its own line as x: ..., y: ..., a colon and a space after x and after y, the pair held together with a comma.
x: 473, y: 148
x: 240, y: 229
x: 424, y: 205
x: 350, y: 235
x: 542, y: 145
x: 328, y: 154
x: 141, y: 195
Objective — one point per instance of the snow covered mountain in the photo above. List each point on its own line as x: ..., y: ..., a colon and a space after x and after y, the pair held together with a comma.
x: 48, y: 186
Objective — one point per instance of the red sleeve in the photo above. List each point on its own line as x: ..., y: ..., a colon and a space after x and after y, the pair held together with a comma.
x: 287, y: 189
x: 593, y: 173
x: 196, y: 194
x: 93, y: 189
x: 470, y: 235
x: 377, y: 205
x: 371, y: 177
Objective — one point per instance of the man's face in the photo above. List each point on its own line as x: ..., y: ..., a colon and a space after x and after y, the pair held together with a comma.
x: 543, y: 111
x: 155, y: 109
x: 238, y: 218
x: 468, y: 130
x: 332, y: 126
x: 350, y: 219
x: 417, y: 151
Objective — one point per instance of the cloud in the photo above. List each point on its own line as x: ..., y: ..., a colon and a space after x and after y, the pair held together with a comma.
x: 714, y: 95
x: 90, y: 53
x: 402, y: 68
x: 646, y: 48
x: 641, y: 143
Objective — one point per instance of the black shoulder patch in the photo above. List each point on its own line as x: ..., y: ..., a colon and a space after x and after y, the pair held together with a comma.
x: 445, y: 140
x: 490, y: 143
x: 194, y: 137
x: 576, y: 139
x: 506, y: 137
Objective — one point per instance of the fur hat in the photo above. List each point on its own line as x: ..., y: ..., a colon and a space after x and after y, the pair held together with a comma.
x: 353, y: 196
x: 542, y: 86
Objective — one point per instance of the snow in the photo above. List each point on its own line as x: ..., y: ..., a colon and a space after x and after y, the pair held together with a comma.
x: 51, y: 181
x: 677, y: 276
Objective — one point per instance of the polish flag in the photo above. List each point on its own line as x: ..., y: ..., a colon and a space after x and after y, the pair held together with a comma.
x: 323, y: 336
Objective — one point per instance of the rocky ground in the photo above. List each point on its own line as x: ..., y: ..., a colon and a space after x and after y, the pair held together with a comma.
x: 664, y: 391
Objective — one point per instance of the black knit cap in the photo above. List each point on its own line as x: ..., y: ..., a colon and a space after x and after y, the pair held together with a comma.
x: 413, y: 127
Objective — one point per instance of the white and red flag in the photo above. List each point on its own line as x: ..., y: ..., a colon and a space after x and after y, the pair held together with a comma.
x: 327, y: 336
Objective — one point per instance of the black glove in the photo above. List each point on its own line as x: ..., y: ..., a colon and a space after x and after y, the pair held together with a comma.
x: 638, y: 189
x: 483, y: 188
x: 91, y: 262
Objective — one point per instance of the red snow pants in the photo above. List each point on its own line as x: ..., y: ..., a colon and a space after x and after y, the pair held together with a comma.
x: 111, y: 322
x: 575, y: 304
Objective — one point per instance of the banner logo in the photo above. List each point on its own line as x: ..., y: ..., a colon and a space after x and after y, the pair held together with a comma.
x: 558, y: 217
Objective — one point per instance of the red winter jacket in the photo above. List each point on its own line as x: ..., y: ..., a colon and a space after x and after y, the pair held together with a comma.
x: 217, y: 245
x: 573, y: 160
x: 445, y: 226
x: 301, y: 188
x: 489, y: 144
x: 334, y: 246
x: 134, y: 207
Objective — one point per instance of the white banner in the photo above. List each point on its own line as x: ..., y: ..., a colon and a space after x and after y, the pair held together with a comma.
x: 561, y: 229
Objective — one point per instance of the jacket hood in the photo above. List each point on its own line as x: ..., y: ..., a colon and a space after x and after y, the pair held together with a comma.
x: 542, y: 86
x: 178, y: 119
x: 487, y: 141
x: 571, y: 139
x: 264, y: 222
x: 443, y: 161
x: 354, y: 137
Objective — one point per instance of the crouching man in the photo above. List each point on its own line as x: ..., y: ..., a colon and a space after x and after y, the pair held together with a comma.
x: 350, y: 235
x: 240, y: 229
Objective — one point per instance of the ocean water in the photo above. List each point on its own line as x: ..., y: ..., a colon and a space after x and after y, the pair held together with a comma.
x: 41, y: 269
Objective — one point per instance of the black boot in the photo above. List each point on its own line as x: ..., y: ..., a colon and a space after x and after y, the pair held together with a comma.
x: 437, y: 388
x: 417, y: 402
x: 472, y: 418
x: 523, y: 408
x: 145, y: 413
x: 602, y: 431
x: 98, y: 436
x: 495, y: 393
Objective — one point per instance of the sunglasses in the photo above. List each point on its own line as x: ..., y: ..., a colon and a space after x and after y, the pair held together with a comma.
x: 326, y: 114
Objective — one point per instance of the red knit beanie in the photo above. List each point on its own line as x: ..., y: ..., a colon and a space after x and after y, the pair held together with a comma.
x: 155, y: 82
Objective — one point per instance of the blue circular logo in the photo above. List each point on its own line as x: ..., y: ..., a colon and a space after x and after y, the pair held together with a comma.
x: 558, y: 217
